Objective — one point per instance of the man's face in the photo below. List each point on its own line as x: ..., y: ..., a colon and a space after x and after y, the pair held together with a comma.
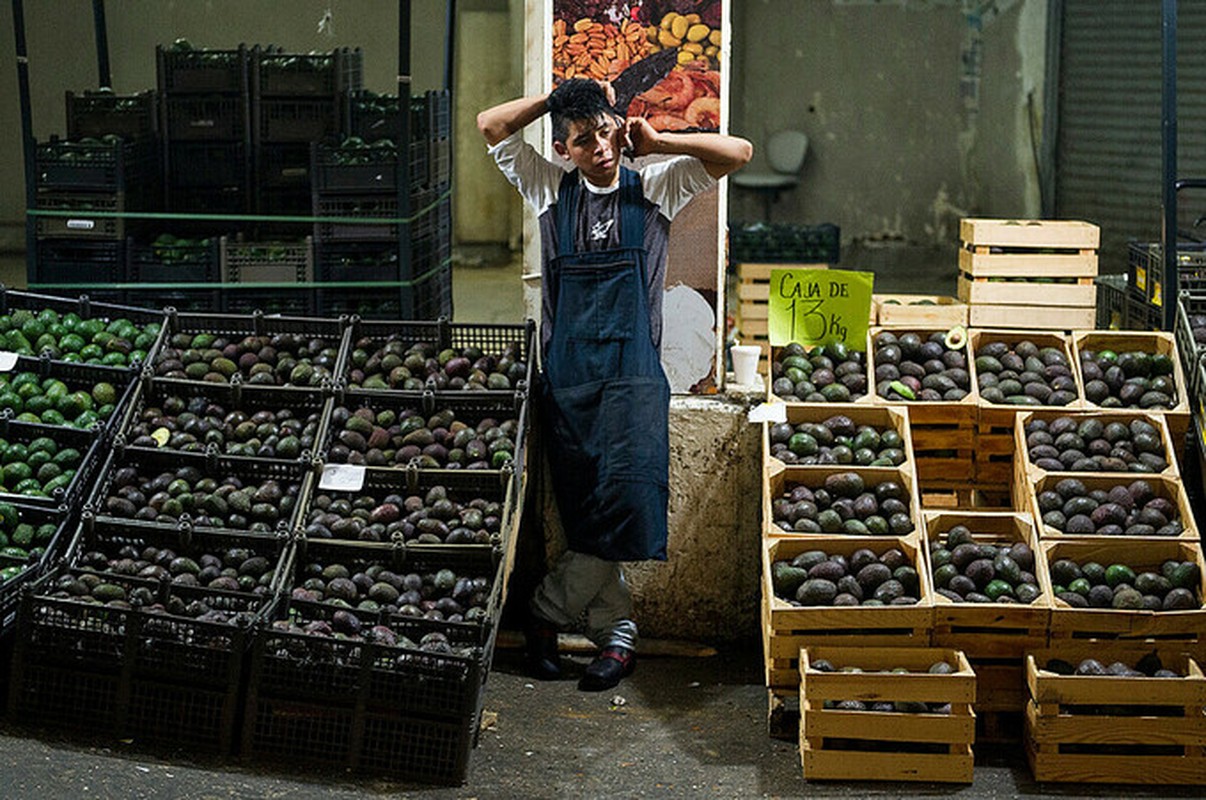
x: 594, y: 146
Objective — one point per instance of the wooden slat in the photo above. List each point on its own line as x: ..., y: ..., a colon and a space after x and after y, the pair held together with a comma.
x: 820, y: 764
x: 945, y: 313
x: 750, y: 273
x: 1050, y: 318
x: 1072, y: 234
x: 1013, y: 265
x: 1018, y: 293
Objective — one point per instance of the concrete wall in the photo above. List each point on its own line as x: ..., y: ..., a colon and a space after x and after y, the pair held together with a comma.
x: 906, y: 132
x: 62, y: 55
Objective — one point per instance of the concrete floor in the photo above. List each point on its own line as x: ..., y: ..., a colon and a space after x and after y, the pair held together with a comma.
x: 680, y: 727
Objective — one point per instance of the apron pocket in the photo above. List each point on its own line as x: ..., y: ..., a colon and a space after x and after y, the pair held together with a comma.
x: 598, y: 303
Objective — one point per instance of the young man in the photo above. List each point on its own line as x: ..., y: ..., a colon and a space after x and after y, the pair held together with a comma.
x: 605, y: 400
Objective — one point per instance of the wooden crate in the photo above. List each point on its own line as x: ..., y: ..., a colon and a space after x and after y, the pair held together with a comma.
x: 938, y: 311
x: 1008, y: 264
x: 1078, y: 728
x: 778, y: 479
x: 786, y: 628
x: 1026, y: 469
x: 860, y: 414
x: 999, y: 248
x: 944, y: 433
x: 1169, y: 488
x: 1183, y: 628
x: 768, y: 374
x: 994, y: 461
x: 1148, y: 341
x: 987, y: 630
x: 873, y: 745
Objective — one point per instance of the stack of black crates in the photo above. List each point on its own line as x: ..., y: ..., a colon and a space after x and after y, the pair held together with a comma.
x: 365, y: 179
x: 108, y: 164
x: 245, y: 655
x: 259, y: 133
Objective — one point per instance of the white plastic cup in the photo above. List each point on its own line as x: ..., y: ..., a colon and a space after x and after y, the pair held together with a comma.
x: 745, y: 363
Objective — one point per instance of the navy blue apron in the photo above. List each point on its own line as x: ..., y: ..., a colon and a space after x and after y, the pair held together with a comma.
x: 607, y: 400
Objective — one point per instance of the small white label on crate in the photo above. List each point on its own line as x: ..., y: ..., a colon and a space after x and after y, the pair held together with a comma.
x: 768, y: 412
x: 81, y: 224
x: 8, y: 360
x: 342, y: 477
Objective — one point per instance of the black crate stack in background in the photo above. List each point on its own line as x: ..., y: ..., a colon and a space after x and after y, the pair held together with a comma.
x: 398, y: 229
x: 108, y: 164
x: 261, y: 133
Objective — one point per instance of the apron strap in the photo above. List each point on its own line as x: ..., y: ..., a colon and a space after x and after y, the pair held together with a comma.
x: 632, y: 213
x: 567, y: 211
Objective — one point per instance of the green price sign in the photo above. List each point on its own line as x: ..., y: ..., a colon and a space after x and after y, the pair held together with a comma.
x: 819, y: 306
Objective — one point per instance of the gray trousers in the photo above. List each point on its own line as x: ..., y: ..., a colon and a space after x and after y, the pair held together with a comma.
x: 588, y: 592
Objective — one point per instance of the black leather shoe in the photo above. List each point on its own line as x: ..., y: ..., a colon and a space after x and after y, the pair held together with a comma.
x: 544, y: 661
x: 612, y: 665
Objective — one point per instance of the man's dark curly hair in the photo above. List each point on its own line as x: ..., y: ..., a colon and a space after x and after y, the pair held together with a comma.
x: 575, y: 100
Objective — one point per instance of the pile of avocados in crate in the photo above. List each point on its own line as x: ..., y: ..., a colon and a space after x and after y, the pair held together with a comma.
x: 981, y: 536
x: 282, y: 538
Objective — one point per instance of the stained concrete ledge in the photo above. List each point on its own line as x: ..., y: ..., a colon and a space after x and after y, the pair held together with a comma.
x: 709, y: 588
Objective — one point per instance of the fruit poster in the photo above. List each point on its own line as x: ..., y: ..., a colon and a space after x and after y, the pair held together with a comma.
x: 601, y: 39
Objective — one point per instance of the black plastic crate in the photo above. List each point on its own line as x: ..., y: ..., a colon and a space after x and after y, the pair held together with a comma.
x: 355, y: 169
x: 87, y: 307
x: 323, y: 338
x: 162, y: 680
x: 115, y: 165
x: 364, y: 209
x: 436, y: 336
x: 375, y: 116
x: 76, y: 376
x: 40, y: 556
x: 496, y: 488
x: 1142, y: 314
x: 279, y: 74
x: 206, y: 165
x: 77, y: 262
x: 206, y: 118
x: 779, y: 242
x: 100, y: 113
x: 250, y: 472
x: 466, y: 407
x: 288, y: 300
x: 267, y: 262
x: 1190, y: 305
x: 398, y: 712
x: 82, y: 222
x: 1111, y: 302
x: 67, y: 491
x: 1145, y: 267
x: 341, y: 261
x: 285, y: 166
x: 146, y: 408
x: 202, y: 71
x: 168, y: 259
x: 290, y: 202
x: 291, y: 119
